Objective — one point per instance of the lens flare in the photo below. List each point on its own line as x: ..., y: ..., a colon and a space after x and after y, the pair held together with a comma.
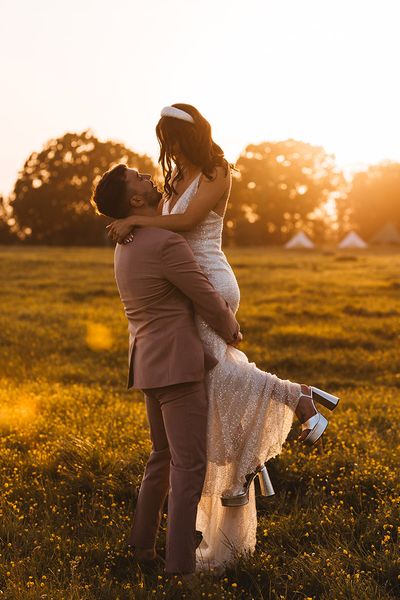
x: 17, y: 412
x: 98, y: 337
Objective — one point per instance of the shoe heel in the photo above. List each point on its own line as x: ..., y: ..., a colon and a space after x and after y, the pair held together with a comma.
x: 265, y: 482
x: 328, y: 400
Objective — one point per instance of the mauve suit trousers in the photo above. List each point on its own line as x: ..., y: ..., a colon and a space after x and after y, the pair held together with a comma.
x: 177, y: 464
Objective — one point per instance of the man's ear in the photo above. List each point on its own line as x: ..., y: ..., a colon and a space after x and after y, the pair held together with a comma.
x: 136, y: 201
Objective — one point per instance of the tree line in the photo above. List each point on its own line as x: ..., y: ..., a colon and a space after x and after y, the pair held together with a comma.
x: 277, y: 189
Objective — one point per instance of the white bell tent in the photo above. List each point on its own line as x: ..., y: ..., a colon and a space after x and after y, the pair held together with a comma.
x: 299, y: 240
x: 352, y: 240
x: 389, y: 234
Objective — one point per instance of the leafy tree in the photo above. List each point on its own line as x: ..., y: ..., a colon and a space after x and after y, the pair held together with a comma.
x: 6, y: 234
x: 281, y: 187
x: 51, y: 196
x: 374, y: 198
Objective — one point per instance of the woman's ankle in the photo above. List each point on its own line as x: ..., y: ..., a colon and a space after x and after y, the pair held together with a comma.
x: 305, y: 389
x: 305, y: 404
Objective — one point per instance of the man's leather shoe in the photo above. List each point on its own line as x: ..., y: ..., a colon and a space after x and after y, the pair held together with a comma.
x: 152, y: 565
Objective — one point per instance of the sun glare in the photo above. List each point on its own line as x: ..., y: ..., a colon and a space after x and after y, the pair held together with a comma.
x: 98, y: 336
x: 17, y: 412
x: 319, y: 72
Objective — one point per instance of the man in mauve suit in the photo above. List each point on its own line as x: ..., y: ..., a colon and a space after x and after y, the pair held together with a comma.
x: 161, y: 287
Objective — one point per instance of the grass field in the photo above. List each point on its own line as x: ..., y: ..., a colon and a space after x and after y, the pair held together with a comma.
x: 74, y: 441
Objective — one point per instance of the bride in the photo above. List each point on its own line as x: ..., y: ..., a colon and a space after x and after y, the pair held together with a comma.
x: 250, y: 411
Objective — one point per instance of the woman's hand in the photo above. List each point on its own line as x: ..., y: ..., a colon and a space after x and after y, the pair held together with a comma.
x: 238, y: 340
x: 120, y: 230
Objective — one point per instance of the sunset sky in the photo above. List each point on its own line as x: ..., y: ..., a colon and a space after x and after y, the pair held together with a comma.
x: 322, y: 71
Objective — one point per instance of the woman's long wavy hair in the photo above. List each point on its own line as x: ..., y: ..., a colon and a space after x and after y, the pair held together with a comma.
x: 193, y: 140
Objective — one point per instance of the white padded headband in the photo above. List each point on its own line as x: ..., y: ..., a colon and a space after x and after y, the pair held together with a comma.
x: 176, y: 113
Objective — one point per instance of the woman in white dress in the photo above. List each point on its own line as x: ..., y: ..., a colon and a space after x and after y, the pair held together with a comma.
x: 250, y: 411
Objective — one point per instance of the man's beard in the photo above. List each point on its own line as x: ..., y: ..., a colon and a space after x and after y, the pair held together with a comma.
x: 153, y: 198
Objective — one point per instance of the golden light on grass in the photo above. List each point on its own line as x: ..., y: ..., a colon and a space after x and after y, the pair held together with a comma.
x: 98, y: 336
x: 73, y: 449
x: 17, y: 412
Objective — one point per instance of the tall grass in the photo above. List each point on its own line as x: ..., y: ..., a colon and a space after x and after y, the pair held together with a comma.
x: 74, y: 441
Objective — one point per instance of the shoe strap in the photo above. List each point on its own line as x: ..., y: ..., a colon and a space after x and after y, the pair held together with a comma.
x: 310, y: 395
x: 311, y: 422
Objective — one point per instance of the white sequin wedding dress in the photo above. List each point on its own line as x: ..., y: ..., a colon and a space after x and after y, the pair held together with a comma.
x: 250, y: 411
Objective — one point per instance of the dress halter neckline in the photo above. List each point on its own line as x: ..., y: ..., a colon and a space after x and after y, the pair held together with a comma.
x: 183, y: 193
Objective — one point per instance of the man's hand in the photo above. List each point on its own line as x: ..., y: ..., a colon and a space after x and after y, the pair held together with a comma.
x: 236, y: 342
x: 120, y: 230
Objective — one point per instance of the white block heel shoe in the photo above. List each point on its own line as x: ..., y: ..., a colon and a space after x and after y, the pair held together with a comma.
x: 243, y: 497
x: 317, y: 423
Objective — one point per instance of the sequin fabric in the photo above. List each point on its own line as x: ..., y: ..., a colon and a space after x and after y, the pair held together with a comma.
x: 250, y: 410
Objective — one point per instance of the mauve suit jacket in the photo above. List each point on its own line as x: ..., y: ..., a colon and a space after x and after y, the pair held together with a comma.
x: 161, y: 287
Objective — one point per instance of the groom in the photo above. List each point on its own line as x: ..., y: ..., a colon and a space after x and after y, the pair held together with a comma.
x: 161, y: 287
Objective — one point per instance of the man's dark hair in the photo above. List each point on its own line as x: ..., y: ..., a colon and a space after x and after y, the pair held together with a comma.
x: 109, y: 195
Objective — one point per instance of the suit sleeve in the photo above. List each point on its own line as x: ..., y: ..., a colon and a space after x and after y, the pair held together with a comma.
x: 181, y: 268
